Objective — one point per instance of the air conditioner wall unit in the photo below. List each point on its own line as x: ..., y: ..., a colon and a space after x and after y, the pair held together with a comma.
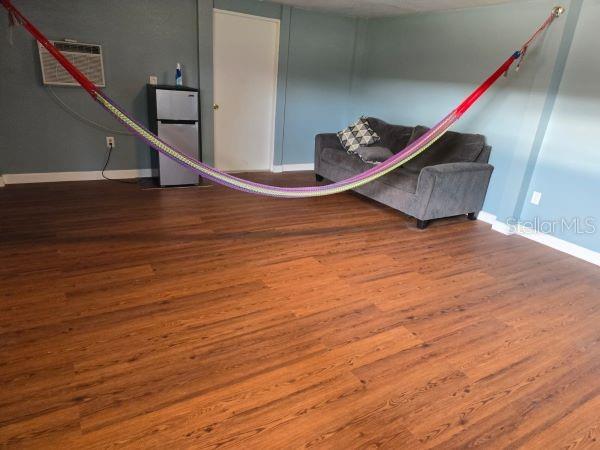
x: 86, y: 57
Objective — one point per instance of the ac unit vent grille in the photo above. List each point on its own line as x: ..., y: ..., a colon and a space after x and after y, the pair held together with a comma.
x: 86, y: 57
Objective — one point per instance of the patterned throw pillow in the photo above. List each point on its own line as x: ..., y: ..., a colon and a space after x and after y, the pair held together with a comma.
x: 359, y: 134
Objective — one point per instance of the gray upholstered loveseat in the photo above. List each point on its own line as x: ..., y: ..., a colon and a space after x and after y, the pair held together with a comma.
x: 449, y: 179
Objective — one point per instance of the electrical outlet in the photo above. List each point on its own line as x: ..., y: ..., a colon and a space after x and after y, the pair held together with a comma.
x: 110, y: 142
x: 536, y: 197
x: 153, y: 80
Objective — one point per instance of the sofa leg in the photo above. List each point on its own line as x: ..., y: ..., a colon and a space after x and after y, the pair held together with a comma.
x: 472, y: 216
x: 318, y: 177
x: 422, y: 224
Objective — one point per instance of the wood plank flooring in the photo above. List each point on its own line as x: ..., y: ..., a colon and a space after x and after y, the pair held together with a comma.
x: 205, y: 318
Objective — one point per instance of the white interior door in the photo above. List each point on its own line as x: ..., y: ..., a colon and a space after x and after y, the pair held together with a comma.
x: 245, y: 88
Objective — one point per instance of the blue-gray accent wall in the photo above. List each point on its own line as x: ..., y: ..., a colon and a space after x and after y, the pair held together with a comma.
x: 138, y: 38
x: 563, y: 52
x: 418, y: 68
x: 319, y: 75
x: 541, y: 121
x: 149, y: 37
x: 316, y: 61
x: 567, y: 171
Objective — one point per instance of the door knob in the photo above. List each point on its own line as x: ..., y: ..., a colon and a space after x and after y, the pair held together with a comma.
x: 215, y: 106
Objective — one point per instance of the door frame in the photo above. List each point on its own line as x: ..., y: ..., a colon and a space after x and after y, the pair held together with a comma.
x: 273, y: 122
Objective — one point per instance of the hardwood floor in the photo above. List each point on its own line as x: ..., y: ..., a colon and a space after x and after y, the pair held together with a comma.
x: 209, y: 318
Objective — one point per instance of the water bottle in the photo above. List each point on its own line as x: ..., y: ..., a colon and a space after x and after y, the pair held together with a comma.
x: 178, y: 76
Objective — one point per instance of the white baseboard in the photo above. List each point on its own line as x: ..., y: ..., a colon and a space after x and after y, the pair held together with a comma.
x: 542, y: 238
x: 561, y: 245
x: 498, y: 226
x: 292, y: 168
x: 53, y: 177
x: 486, y: 217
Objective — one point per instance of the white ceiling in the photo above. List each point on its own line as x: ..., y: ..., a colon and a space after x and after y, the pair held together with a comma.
x: 381, y: 8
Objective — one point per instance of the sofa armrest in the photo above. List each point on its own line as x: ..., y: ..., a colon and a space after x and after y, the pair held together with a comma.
x: 454, y: 168
x: 451, y: 189
x: 323, y: 141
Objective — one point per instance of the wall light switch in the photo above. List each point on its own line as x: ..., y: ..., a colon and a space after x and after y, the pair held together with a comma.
x: 536, y: 197
x: 153, y: 80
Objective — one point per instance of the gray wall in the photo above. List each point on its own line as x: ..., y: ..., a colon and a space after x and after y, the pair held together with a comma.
x: 567, y: 171
x: 146, y: 37
x: 542, y: 121
x: 139, y: 38
x: 316, y: 56
x: 418, y: 68
x: 319, y: 75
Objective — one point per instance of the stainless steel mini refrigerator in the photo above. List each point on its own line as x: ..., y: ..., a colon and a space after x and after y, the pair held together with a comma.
x: 173, y: 116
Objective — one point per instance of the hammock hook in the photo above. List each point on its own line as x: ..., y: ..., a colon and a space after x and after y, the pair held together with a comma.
x: 521, y: 58
x: 557, y: 11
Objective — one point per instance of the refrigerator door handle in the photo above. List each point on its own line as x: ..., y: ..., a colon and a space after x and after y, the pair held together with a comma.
x: 181, y: 122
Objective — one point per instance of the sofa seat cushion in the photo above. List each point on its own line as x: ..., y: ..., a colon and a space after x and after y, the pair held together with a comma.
x: 400, y: 178
x: 450, y: 148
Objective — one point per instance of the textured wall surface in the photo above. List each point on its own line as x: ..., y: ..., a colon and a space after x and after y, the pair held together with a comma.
x: 319, y: 78
x: 568, y: 168
x: 419, y: 67
x: 148, y: 37
x: 542, y: 121
x: 139, y: 38
x: 316, y: 54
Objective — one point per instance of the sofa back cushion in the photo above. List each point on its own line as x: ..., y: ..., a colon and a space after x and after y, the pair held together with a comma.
x: 451, y: 147
x: 394, y: 137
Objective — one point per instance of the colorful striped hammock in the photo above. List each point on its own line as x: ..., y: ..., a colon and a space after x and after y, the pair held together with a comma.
x: 410, y: 152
